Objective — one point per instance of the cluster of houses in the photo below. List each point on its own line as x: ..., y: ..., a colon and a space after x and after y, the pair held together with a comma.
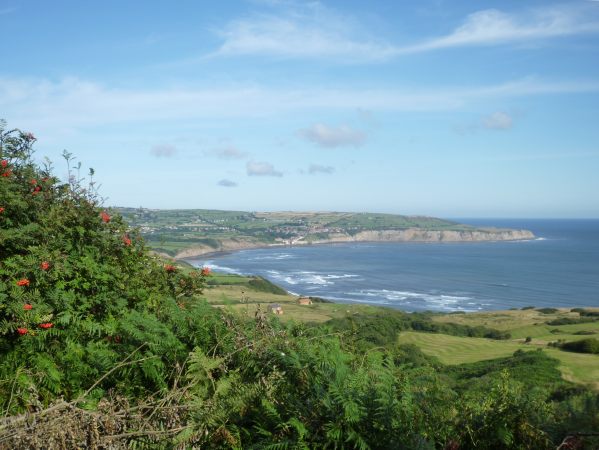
x: 276, y: 308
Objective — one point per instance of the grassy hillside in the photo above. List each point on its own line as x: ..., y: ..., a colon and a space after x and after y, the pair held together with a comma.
x: 171, y: 231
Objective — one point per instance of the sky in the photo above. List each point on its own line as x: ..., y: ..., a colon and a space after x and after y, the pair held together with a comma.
x: 430, y: 107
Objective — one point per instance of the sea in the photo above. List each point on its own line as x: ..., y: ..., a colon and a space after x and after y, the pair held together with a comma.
x: 559, y: 268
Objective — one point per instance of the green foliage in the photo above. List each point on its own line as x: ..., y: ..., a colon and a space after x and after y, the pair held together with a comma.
x: 508, y: 418
x: 570, y: 320
x: 584, y: 312
x: 589, y: 345
x: 78, y: 290
x: 382, y: 329
x: 532, y: 369
x: 260, y: 284
x: 548, y: 310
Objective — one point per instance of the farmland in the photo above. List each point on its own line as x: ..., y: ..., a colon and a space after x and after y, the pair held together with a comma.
x: 190, y: 232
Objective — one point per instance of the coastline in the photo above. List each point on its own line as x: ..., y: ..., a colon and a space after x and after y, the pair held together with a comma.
x: 389, y: 236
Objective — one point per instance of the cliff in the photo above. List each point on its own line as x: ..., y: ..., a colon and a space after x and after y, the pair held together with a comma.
x: 407, y: 235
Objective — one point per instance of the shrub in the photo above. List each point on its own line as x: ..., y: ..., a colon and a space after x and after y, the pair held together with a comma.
x: 569, y: 320
x: 548, y: 310
x: 589, y: 345
x: 78, y: 290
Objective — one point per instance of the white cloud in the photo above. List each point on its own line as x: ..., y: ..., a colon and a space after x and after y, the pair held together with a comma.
x: 331, y: 137
x: 163, y: 150
x: 227, y: 183
x: 262, y: 169
x: 498, y: 121
x: 317, y: 168
x: 303, y: 31
x: 228, y: 152
x: 313, y: 31
x: 73, y: 103
x: 491, y: 27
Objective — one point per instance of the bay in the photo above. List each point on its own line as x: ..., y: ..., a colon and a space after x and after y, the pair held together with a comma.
x: 560, y: 268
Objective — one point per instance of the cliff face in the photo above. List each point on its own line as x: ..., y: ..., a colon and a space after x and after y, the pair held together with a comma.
x: 419, y: 235
x: 407, y: 235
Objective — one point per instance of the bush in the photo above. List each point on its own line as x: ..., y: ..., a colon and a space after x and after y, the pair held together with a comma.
x: 569, y: 321
x: 548, y: 310
x: 78, y: 290
x: 589, y: 345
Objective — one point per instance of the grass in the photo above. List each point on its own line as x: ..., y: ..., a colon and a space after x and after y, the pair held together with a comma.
x: 523, y: 323
x: 237, y: 293
x: 460, y: 350
x: 453, y: 350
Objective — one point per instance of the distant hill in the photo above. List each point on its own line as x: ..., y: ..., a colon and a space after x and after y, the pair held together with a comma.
x: 191, y: 232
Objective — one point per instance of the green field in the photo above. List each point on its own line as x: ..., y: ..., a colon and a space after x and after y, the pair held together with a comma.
x: 235, y: 292
x: 576, y: 367
x: 527, y: 323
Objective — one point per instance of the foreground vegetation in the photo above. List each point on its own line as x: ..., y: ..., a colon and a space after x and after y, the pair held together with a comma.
x: 106, y: 346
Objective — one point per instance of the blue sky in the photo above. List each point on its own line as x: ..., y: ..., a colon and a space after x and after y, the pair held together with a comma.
x: 443, y: 108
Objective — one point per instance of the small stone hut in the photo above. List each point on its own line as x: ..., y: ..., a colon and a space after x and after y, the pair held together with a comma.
x: 304, y: 301
x: 275, y: 308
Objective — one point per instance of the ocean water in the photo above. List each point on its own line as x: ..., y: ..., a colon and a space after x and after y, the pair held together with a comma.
x: 559, y: 268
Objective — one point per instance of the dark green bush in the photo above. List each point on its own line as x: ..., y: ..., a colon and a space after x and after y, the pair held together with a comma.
x: 569, y: 320
x: 589, y: 345
x: 548, y: 310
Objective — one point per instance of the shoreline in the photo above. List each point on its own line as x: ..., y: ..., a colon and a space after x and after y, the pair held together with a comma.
x: 192, y: 253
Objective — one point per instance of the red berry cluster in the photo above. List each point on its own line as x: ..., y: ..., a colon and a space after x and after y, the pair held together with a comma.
x: 4, y: 170
x: 24, y: 282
